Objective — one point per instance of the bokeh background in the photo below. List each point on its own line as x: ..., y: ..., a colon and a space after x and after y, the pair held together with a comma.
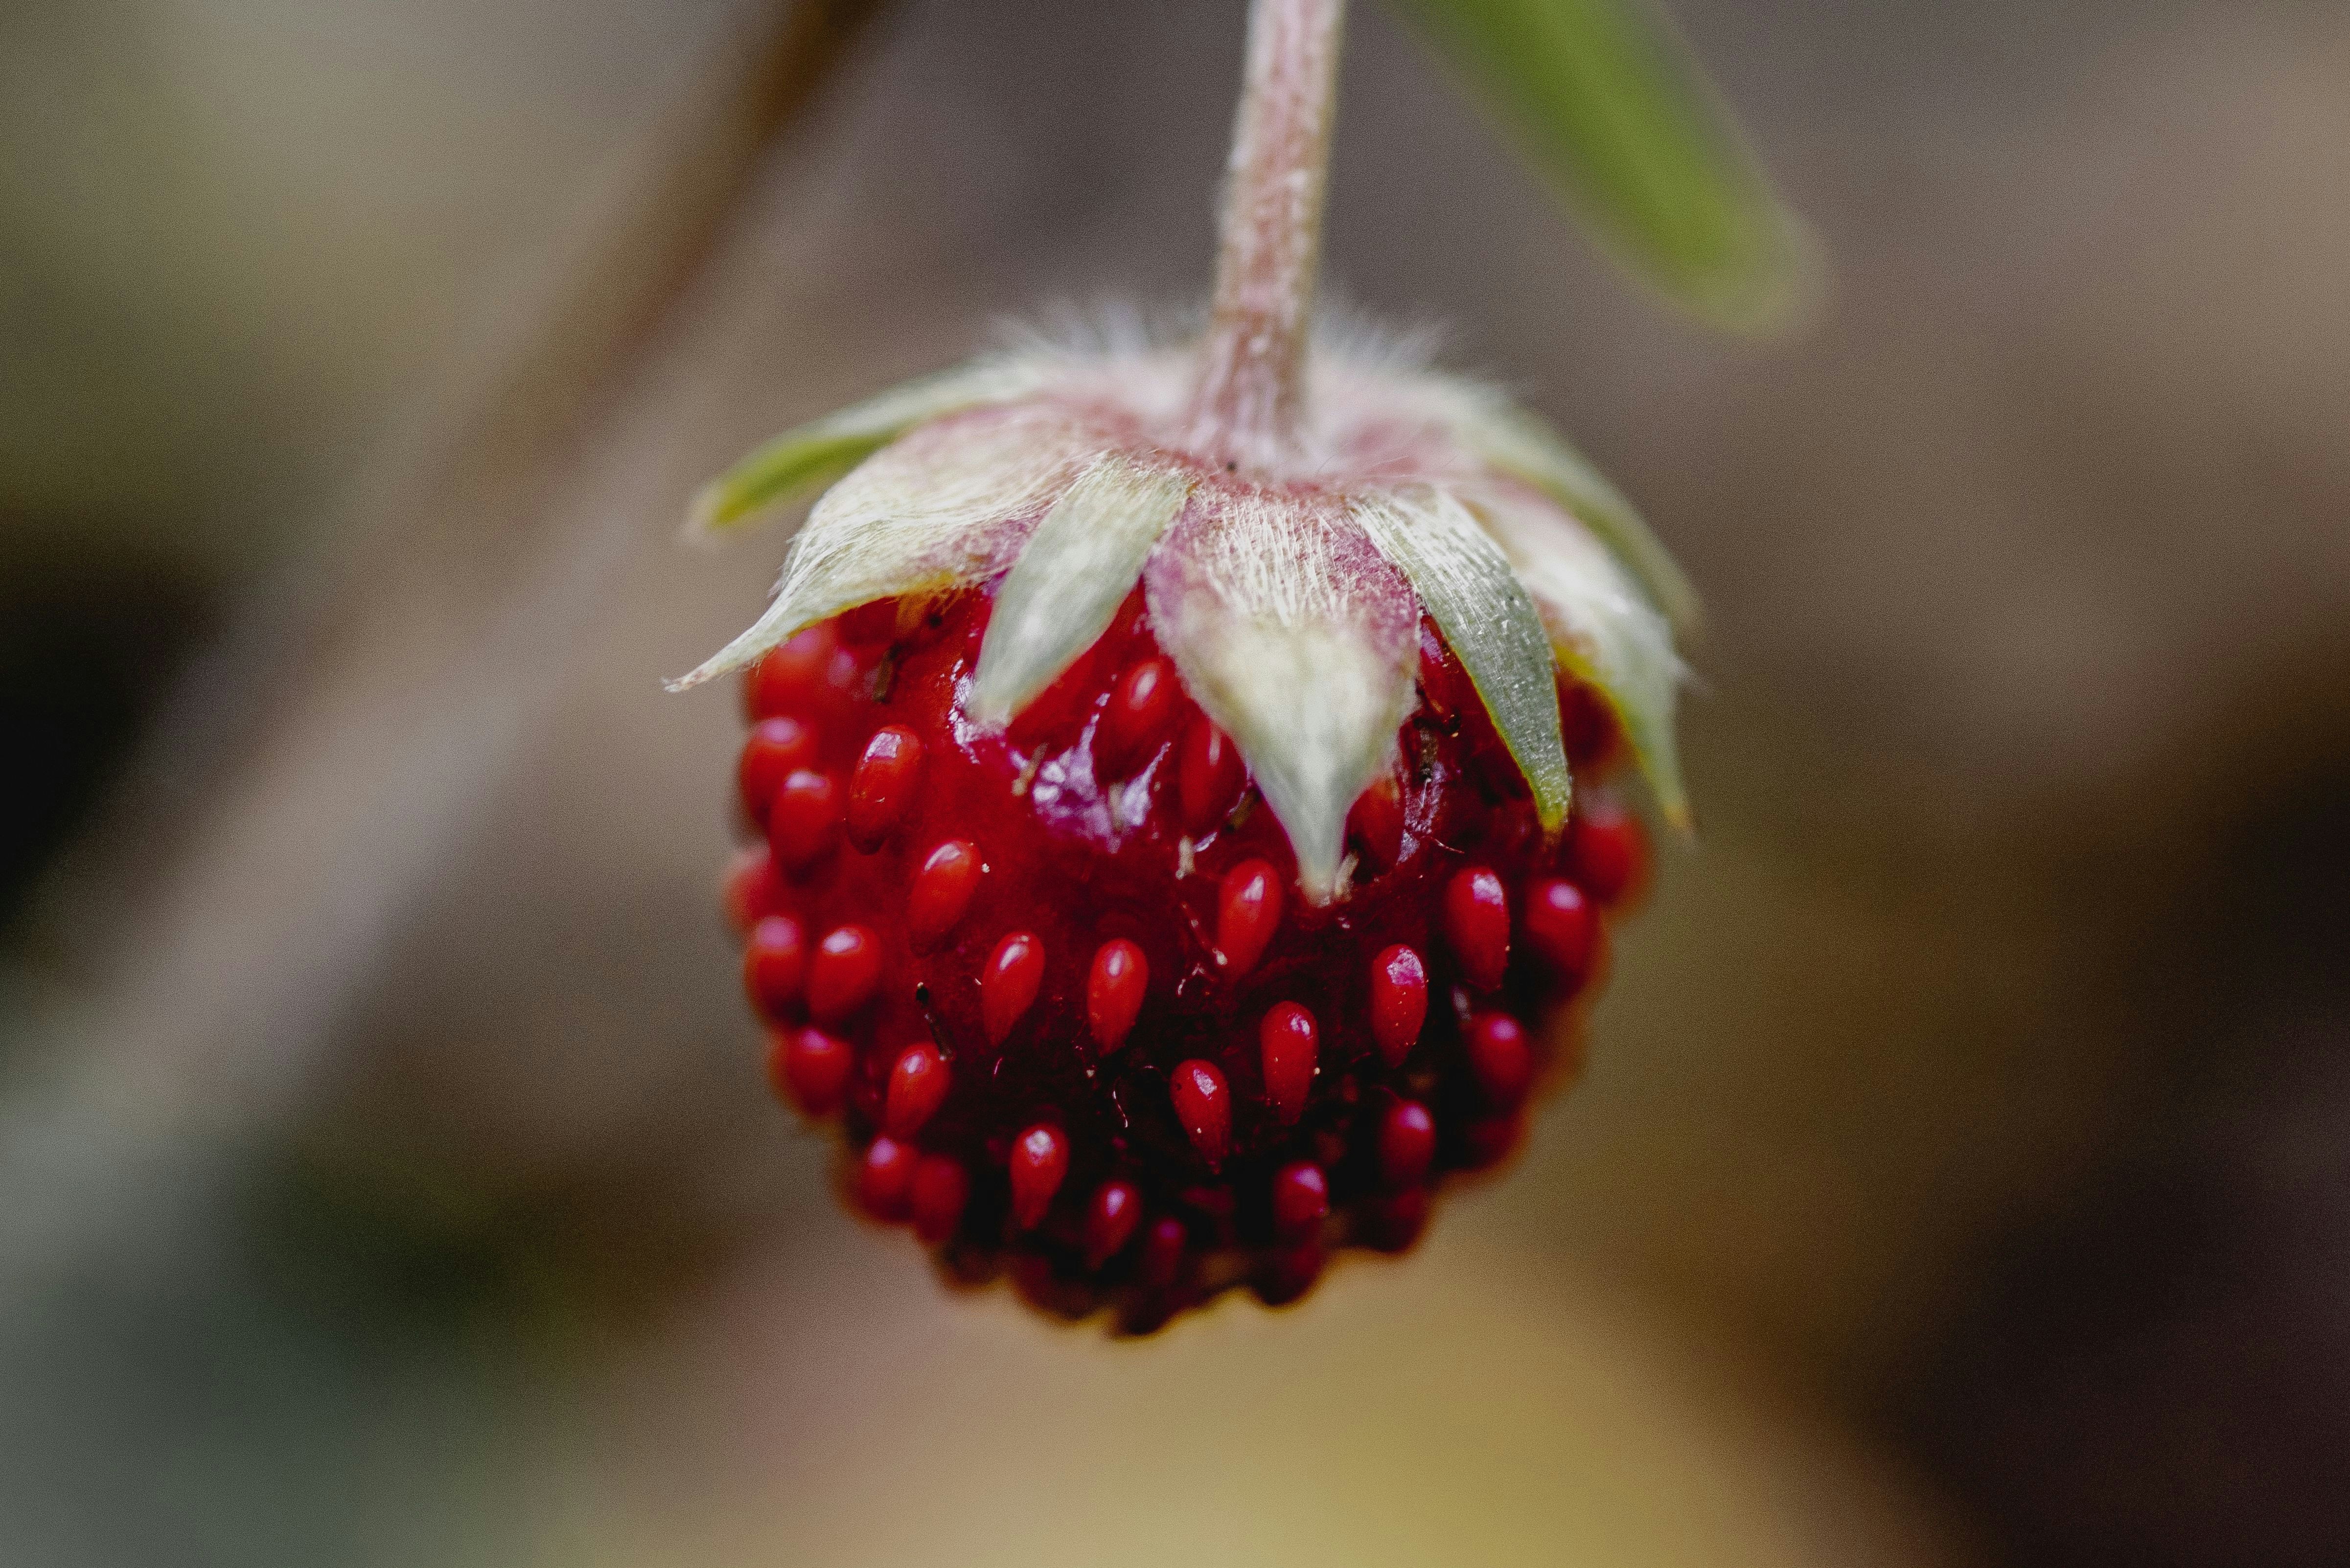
x: 1963, y: 1173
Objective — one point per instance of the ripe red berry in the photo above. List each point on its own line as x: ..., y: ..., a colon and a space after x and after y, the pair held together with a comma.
x: 844, y: 973
x: 1110, y: 1219
x: 918, y: 1087
x: 1301, y: 1197
x: 939, y: 1191
x: 753, y: 890
x: 777, y: 748
x: 1247, y: 913
x: 1375, y: 823
x: 1590, y: 729
x: 885, y: 1177
x: 1008, y: 984
x: 1501, y: 1056
x: 791, y: 679
x: 1209, y: 775
x: 1488, y: 1140
x: 882, y: 786
x: 1140, y: 707
x: 1204, y: 1107
x: 941, y: 892
x: 809, y: 1069
x: 1288, y: 1272
x: 1398, y: 1002
x: 1189, y: 725
x: 1040, y: 1158
x: 1114, y: 992
x: 1163, y: 1246
x: 775, y: 963
x: 1406, y: 1143
x: 1393, y: 1220
x: 1561, y: 926
x: 1022, y: 1000
x: 1608, y: 849
x: 869, y: 623
x: 803, y: 819
x: 1477, y: 925
x: 1288, y: 1044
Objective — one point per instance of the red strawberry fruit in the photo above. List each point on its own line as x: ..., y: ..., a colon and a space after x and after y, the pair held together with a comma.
x: 1171, y: 871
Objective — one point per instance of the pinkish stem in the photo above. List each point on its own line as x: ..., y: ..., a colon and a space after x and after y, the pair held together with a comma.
x: 1252, y: 381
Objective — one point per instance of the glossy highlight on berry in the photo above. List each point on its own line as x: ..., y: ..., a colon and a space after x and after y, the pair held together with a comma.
x: 1561, y: 926
x: 1248, y: 914
x: 1289, y: 1044
x: 1210, y: 777
x: 778, y: 748
x: 882, y: 787
x: 774, y: 966
x: 918, y: 1087
x: 844, y: 973
x: 1610, y: 851
x: 885, y: 1177
x: 1399, y: 1001
x: 1477, y: 925
x: 1140, y: 707
x: 1110, y: 1219
x: 810, y: 1069
x: 1115, y: 989
x: 941, y: 891
x: 803, y: 819
x: 1008, y: 985
x: 1502, y: 1057
x: 1040, y: 1159
x: 1204, y: 1105
x: 1301, y: 1199
x: 1406, y: 1143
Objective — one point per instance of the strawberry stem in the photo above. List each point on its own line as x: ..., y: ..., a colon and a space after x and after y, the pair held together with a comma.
x: 1246, y: 411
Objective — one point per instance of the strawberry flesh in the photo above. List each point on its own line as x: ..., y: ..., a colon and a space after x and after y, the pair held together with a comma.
x: 1079, y: 1024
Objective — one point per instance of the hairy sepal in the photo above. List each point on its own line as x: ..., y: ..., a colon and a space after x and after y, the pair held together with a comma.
x: 1300, y: 639
x: 1513, y: 441
x: 1468, y: 586
x: 804, y: 460
x: 1602, y: 628
x: 1070, y: 577
x: 947, y: 505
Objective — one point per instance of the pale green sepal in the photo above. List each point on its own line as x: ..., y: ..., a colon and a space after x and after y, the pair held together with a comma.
x: 1603, y: 630
x: 1069, y: 579
x: 1522, y: 444
x: 1300, y: 640
x: 813, y: 455
x: 946, y: 504
x: 1468, y: 586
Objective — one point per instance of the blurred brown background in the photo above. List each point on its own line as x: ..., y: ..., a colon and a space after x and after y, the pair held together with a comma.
x: 1964, y: 1171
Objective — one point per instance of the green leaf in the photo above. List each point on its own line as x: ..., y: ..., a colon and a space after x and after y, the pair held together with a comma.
x: 1606, y: 99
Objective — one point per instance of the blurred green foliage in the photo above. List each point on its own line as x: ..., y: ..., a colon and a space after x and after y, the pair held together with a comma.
x: 1606, y: 99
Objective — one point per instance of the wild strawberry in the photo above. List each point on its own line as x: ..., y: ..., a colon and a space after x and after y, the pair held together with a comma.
x: 1162, y: 755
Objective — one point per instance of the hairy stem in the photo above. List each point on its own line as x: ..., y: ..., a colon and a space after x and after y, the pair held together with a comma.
x: 1252, y: 381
